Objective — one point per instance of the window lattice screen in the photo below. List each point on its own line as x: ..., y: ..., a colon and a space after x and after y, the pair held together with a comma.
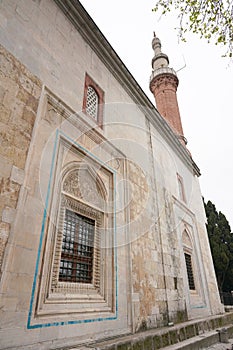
x: 188, y: 260
x: 92, y: 102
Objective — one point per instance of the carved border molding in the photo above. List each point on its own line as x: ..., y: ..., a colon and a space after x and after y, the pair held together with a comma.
x: 69, y: 287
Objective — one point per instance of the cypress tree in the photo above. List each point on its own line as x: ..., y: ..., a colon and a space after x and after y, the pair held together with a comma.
x: 221, y: 244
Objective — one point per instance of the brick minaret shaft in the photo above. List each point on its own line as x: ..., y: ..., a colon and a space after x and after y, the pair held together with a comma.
x: 163, y: 84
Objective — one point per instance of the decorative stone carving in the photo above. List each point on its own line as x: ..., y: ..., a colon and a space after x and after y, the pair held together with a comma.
x: 186, y: 239
x: 82, y: 185
x: 71, y: 184
x: 72, y: 204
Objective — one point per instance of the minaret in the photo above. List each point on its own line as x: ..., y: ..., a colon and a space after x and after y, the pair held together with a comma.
x: 163, y: 84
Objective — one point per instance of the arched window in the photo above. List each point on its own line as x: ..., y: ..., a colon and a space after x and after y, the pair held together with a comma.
x: 81, y: 219
x: 189, y: 268
x: 188, y: 252
x: 92, y: 102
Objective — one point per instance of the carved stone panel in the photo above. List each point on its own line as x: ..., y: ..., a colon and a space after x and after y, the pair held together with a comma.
x: 81, y: 184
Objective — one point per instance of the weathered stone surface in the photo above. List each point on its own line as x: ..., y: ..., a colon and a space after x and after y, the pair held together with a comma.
x: 17, y: 175
x: 9, y: 192
x: 4, y: 233
x: 18, y: 107
x: 8, y: 215
x: 157, y: 340
x: 6, y: 166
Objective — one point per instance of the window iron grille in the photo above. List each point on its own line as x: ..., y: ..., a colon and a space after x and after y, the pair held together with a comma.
x: 188, y: 260
x: 76, y: 263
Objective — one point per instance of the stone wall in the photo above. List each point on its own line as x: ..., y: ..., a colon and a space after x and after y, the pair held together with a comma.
x: 19, y: 97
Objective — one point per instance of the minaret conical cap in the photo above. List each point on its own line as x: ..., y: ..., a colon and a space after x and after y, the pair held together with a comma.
x: 160, y: 59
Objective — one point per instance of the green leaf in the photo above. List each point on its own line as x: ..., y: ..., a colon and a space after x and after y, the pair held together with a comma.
x: 210, y: 18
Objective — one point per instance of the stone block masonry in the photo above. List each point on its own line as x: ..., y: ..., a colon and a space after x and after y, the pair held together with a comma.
x: 19, y: 97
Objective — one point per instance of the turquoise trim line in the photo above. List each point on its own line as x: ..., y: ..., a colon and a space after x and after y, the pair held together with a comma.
x: 65, y: 323
x: 199, y: 307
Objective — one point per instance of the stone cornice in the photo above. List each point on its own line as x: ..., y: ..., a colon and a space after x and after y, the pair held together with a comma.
x: 76, y: 13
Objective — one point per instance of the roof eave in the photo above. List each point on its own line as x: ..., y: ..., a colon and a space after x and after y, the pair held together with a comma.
x: 85, y: 25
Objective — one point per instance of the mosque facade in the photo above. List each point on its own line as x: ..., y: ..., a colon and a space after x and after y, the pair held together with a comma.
x: 102, y: 224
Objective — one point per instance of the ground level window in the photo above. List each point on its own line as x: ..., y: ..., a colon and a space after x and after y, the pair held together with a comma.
x: 188, y: 260
x: 76, y: 263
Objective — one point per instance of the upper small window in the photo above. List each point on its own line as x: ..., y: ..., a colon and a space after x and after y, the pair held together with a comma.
x: 93, y: 100
x: 181, y: 188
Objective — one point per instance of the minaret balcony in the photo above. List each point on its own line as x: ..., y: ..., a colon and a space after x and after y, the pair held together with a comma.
x: 162, y: 71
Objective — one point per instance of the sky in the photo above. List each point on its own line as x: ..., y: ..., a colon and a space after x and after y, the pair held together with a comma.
x: 205, y: 91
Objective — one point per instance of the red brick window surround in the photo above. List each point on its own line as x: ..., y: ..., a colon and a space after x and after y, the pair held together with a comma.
x: 93, y: 100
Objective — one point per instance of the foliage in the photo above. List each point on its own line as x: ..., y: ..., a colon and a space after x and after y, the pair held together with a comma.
x: 211, y: 19
x: 221, y: 244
